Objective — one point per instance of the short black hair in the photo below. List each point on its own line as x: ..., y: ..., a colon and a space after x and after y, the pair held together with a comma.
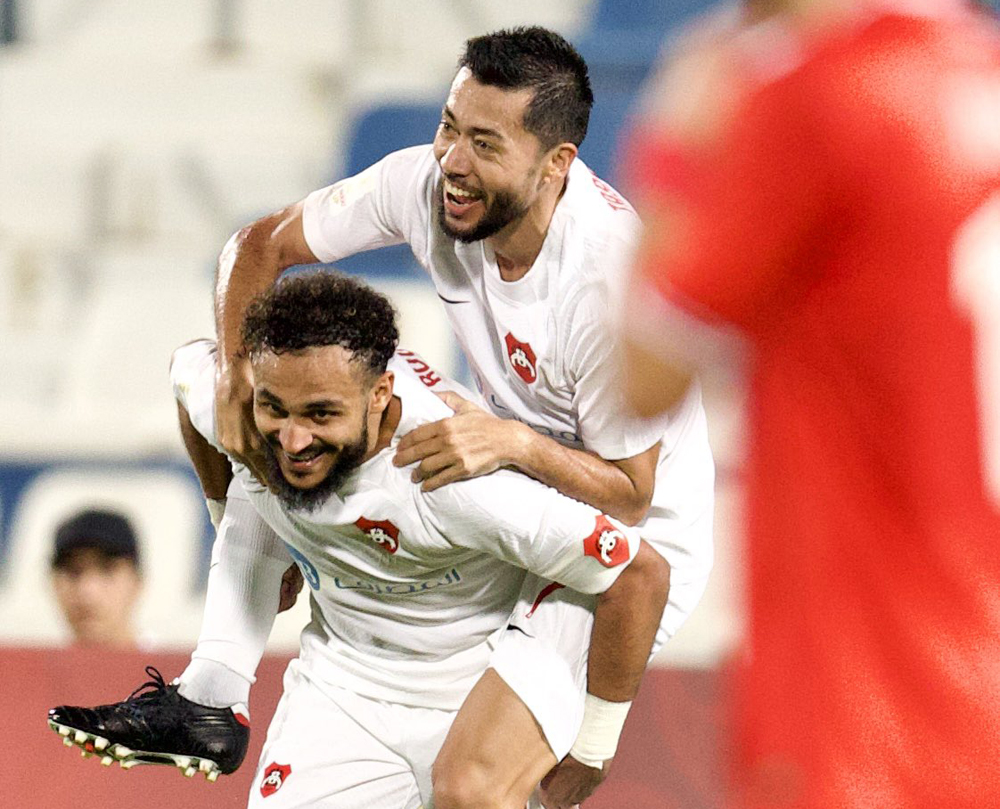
x: 538, y: 59
x: 323, y: 308
x: 109, y: 532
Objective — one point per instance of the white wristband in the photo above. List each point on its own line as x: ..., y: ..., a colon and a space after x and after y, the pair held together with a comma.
x: 600, y: 730
x: 216, y: 508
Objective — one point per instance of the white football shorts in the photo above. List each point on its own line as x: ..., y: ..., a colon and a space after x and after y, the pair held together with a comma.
x: 329, y: 748
x: 543, y: 654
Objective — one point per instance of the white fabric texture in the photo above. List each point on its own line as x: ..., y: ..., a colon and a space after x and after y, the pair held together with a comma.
x: 425, y: 570
x: 344, y: 751
x: 244, y: 584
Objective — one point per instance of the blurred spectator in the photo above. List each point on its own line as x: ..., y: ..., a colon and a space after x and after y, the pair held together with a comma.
x: 821, y: 189
x: 97, y: 578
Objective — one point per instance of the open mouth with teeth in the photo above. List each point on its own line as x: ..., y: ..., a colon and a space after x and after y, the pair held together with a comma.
x: 458, y: 202
x: 303, y: 462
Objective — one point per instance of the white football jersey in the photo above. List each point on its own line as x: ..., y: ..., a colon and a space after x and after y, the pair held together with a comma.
x: 540, y: 347
x: 408, y: 588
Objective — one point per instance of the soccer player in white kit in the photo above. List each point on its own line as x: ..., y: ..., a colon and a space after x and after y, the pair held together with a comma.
x: 410, y: 589
x: 524, y: 245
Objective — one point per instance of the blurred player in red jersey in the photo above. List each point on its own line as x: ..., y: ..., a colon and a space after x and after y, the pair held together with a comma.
x: 822, y: 197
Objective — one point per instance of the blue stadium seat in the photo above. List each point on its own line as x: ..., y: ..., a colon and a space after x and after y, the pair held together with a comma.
x: 387, y: 127
x: 625, y: 37
x: 608, y: 118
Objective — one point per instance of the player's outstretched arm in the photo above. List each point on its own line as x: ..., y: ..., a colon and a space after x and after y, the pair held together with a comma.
x: 474, y: 442
x: 250, y: 262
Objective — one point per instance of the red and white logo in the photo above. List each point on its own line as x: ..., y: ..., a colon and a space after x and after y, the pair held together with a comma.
x: 274, y: 777
x: 381, y: 532
x: 607, y: 544
x: 522, y: 358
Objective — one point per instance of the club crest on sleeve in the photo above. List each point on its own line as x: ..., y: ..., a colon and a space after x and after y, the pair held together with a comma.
x: 608, y: 545
x: 274, y: 777
x: 381, y: 532
x: 522, y: 358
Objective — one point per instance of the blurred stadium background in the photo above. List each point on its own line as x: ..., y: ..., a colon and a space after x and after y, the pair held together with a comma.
x: 135, y: 136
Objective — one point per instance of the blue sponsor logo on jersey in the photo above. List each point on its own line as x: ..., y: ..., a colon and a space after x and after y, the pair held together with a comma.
x: 309, y: 572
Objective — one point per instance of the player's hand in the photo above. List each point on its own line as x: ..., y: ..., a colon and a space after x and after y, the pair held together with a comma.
x: 291, y: 586
x: 469, y: 444
x: 234, y: 425
x: 570, y: 783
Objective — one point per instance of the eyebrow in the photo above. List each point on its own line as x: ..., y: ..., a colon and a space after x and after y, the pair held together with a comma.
x: 475, y: 130
x: 264, y: 393
x: 320, y: 404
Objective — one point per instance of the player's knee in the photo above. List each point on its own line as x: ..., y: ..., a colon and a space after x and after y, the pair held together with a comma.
x: 467, y: 785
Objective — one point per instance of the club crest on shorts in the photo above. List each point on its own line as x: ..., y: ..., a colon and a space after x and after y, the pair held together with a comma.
x: 608, y: 545
x: 274, y: 777
x: 381, y: 532
x: 522, y: 358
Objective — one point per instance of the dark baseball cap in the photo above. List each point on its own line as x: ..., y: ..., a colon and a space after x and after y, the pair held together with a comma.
x: 106, y: 531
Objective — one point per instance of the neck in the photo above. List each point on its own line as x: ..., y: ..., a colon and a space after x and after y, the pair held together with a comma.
x: 517, y: 246
x: 386, y: 429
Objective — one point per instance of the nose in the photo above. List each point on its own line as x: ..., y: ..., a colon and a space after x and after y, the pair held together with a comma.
x: 294, y: 437
x: 91, y: 587
x: 456, y: 159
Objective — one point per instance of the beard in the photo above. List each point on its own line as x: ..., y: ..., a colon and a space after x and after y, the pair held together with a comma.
x: 312, y: 498
x: 504, y: 209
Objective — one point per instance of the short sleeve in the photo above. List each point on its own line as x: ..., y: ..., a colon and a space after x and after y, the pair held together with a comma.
x: 597, y: 393
x: 192, y: 375
x: 375, y: 208
x: 531, y: 526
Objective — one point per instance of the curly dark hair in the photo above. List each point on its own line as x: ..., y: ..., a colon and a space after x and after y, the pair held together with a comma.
x: 539, y: 59
x: 323, y: 308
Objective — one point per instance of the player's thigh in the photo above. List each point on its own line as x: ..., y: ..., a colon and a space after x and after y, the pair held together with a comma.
x: 319, y: 755
x: 542, y: 657
x: 495, y: 752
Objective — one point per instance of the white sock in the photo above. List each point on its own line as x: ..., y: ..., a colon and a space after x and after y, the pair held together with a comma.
x: 244, y: 584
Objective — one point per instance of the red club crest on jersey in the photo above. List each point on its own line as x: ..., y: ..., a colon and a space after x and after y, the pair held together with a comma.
x: 607, y: 544
x: 522, y: 358
x: 382, y: 532
x: 274, y: 778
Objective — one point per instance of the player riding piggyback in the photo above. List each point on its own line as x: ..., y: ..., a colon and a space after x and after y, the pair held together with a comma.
x: 410, y: 589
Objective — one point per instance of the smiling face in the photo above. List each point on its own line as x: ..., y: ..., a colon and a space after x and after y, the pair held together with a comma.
x: 493, y: 167
x: 317, y: 411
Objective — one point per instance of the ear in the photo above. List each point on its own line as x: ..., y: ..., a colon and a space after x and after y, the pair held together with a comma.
x: 559, y: 160
x: 381, y: 393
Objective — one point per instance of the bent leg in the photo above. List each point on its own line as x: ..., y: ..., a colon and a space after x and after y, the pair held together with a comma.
x: 495, y: 753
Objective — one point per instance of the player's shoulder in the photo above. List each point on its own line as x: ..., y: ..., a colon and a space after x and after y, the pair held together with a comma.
x: 594, y: 205
x: 413, y: 165
x: 599, y: 229
x: 421, y: 156
x: 416, y: 384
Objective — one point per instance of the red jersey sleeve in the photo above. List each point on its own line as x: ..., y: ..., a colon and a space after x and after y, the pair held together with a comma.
x: 735, y: 216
